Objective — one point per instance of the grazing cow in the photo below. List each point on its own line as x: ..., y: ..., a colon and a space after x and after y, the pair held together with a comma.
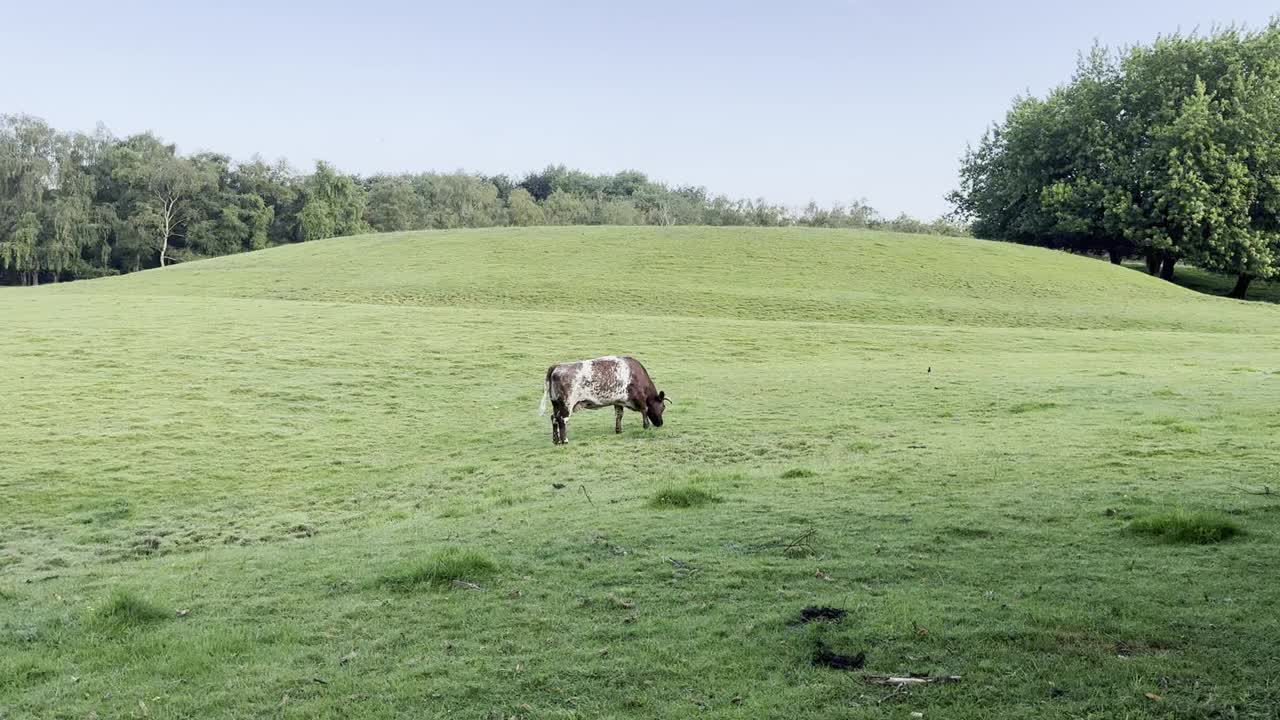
x: 618, y: 381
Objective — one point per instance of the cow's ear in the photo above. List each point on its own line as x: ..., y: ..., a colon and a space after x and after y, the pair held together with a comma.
x: 662, y: 395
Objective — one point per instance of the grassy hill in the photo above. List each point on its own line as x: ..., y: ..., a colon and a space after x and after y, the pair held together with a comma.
x: 243, y: 487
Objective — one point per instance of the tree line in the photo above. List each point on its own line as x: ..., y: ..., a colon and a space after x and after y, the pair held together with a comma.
x: 1167, y: 152
x: 83, y: 205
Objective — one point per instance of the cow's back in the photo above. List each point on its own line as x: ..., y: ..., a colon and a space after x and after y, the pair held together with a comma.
x: 591, y: 383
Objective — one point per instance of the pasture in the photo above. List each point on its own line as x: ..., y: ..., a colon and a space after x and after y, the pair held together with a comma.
x: 311, y: 482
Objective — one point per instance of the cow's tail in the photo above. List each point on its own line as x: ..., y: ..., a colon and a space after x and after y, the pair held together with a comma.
x: 546, y: 392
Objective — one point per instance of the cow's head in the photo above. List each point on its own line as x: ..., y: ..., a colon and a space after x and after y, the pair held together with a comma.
x: 656, y: 406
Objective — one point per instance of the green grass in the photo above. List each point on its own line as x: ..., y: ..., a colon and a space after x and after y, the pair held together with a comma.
x: 684, y: 496
x: 441, y: 568
x: 1213, y: 283
x: 1183, y: 526
x: 262, y: 440
x: 125, y: 608
x: 1219, y: 284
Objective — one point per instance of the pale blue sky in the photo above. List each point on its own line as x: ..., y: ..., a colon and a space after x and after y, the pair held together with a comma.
x: 790, y: 100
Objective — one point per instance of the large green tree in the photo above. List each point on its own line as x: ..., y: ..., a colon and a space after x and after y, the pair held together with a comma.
x: 1167, y: 151
x: 333, y: 204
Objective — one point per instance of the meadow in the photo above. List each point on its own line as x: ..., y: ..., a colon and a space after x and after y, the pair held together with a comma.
x: 311, y: 482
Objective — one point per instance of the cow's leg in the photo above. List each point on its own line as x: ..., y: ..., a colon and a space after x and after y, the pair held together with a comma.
x: 557, y: 423
x: 645, y: 415
x: 617, y: 419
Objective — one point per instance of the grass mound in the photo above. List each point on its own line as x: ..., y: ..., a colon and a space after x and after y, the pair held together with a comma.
x: 797, y: 473
x: 124, y: 608
x: 683, y: 496
x: 1183, y: 526
x: 440, y: 568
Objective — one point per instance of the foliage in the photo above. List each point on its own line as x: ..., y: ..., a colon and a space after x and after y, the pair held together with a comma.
x: 1169, y: 151
x: 80, y: 206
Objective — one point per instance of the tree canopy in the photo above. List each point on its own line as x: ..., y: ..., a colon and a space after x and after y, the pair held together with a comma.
x: 1169, y: 152
x: 75, y: 205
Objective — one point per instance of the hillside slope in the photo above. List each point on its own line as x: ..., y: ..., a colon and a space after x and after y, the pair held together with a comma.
x: 792, y: 274
x: 225, y: 485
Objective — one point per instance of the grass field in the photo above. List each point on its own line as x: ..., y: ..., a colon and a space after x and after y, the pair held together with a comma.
x: 311, y: 483
x: 1218, y: 284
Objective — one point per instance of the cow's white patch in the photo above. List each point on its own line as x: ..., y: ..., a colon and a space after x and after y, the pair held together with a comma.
x: 599, y: 383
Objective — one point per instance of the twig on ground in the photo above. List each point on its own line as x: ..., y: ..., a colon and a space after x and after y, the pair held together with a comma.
x: 903, y: 681
x: 466, y: 585
x: 801, y: 541
x: 1266, y: 490
x: 682, y: 565
x: 899, y: 690
x: 584, y: 492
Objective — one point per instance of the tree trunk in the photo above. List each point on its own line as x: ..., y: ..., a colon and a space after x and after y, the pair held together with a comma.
x: 35, y: 278
x: 1242, y: 286
x: 164, y: 246
x: 1114, y: 253
x: 1166, y: 267
x: 1153, y: 264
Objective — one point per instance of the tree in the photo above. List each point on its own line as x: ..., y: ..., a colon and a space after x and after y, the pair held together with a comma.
x: 460, y: 200
x: 27, y: 173
x: 522, y: 210
x: 563, y: 208
x: 333, y: 205
x: 159, y: 190
x: 278, y: 186
x: 393, y: 205
x: 1167, y: 151
x: 19, y: 250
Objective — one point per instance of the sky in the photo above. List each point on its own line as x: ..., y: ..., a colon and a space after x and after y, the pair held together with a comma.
x: 792, y: 101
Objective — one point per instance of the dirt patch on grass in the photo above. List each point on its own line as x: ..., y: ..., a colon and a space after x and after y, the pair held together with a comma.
x: 824, y: 657
x: 819, y: 614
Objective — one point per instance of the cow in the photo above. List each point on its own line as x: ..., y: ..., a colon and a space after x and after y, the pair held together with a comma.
x: 592, y: 384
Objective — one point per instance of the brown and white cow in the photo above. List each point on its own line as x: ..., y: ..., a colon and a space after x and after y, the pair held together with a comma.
x: 618, y: 381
